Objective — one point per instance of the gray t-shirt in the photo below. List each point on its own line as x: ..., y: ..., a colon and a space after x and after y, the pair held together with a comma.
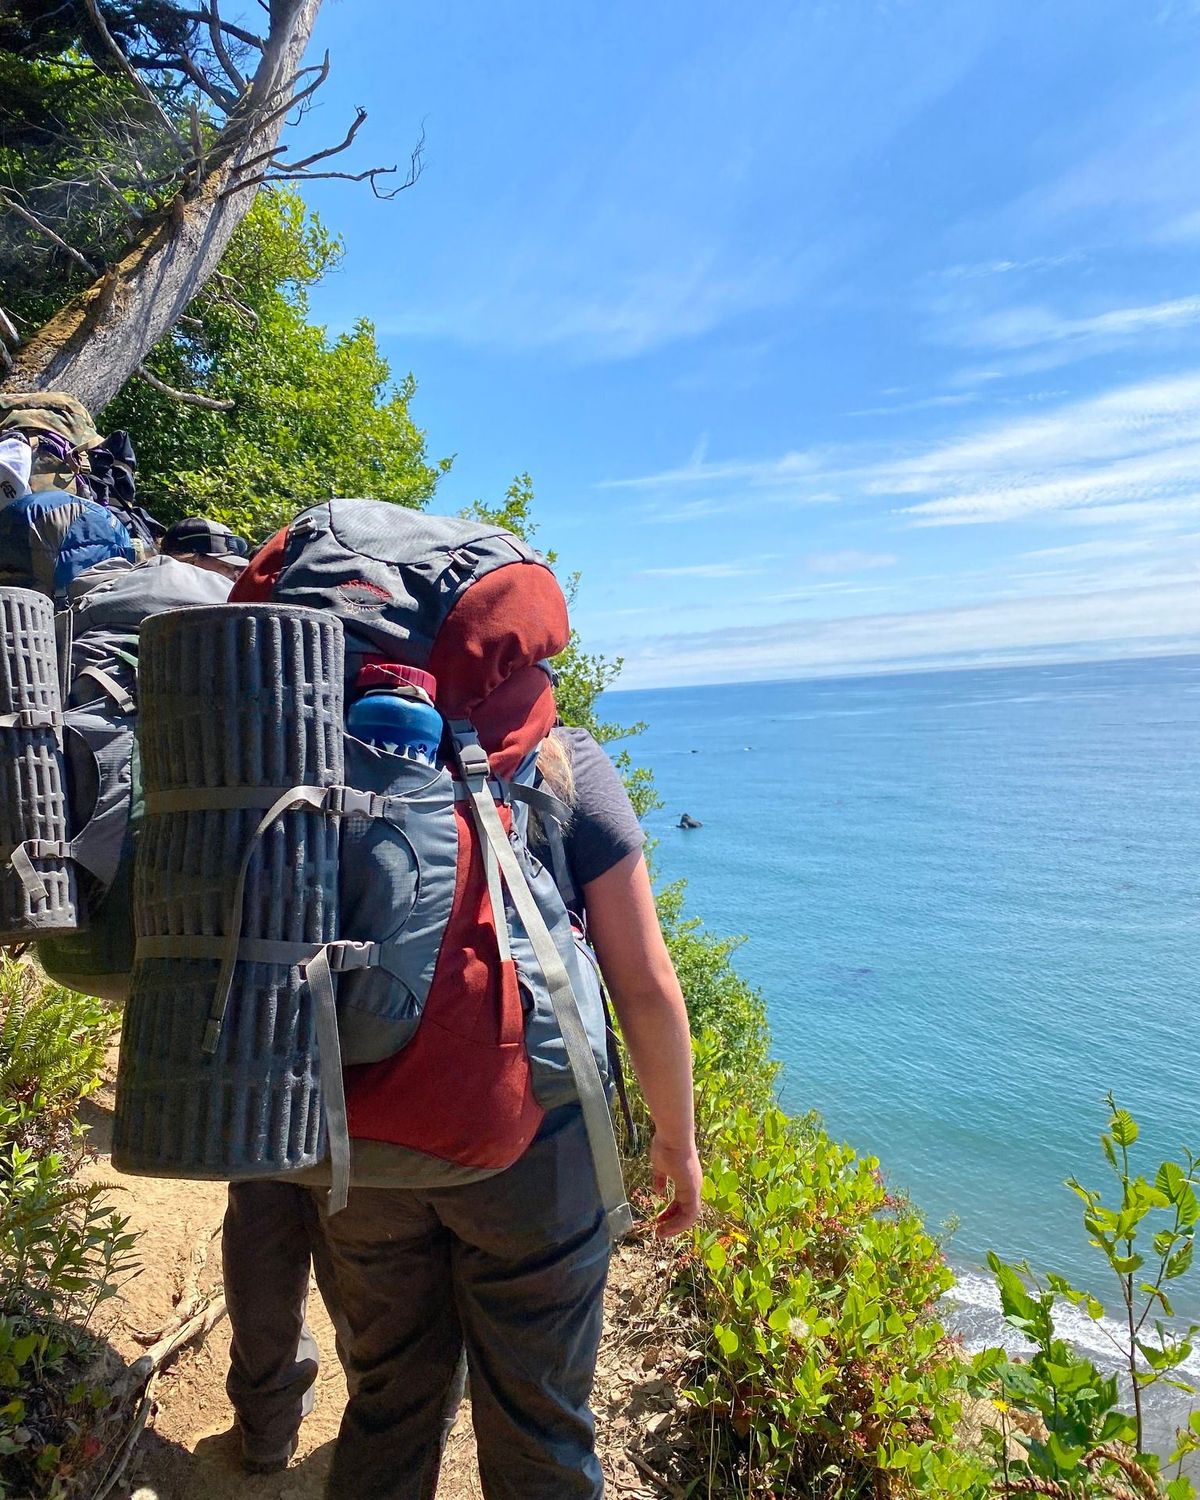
x: 604, y: 827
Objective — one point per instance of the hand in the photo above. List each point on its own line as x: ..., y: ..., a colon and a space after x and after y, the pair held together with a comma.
x: 681, y: 1167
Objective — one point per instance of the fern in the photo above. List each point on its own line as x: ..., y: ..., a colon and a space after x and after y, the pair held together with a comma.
x: 52, y: 1043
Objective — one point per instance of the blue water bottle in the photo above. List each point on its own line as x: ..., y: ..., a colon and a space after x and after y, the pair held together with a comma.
x: 393, y: 711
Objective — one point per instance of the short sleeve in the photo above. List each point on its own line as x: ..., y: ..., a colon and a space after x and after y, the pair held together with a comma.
x: 604, y: 828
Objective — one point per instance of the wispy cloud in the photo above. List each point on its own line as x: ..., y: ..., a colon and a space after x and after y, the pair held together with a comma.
x: 1029, y: 338
x: 1112, y: 621
x: 1128, y: 446
x: 918, y: 403
x: 1130, y: 454
x: 848, y: 561
x: 1032, y: 327
x: 698, y: 470
x: 626, y: 313
x: 700, y: 570
x: 1107, y: 547
x: 978, y: 270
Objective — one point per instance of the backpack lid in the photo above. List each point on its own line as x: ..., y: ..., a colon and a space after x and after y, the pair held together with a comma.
x: 120, y: 597
x: 49, y: 411
x: 473, y: 604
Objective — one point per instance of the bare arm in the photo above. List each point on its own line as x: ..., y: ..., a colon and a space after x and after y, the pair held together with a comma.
x: 623, y: 926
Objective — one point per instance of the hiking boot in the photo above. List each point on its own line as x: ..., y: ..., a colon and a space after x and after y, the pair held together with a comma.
x: 256, y: 1462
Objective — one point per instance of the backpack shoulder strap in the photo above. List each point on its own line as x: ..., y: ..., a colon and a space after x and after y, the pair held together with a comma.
x: 555, y: 816
x: 475, y: 770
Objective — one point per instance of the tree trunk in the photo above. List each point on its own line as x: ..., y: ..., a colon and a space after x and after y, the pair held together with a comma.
x: 91, y: 347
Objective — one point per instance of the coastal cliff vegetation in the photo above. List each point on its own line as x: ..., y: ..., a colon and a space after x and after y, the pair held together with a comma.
x: 820, y: 1365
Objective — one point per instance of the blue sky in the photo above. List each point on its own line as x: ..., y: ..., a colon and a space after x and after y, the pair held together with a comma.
x: 836, y: 336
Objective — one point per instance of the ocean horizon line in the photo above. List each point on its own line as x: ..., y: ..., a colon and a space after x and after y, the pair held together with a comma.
x: 926, y: 667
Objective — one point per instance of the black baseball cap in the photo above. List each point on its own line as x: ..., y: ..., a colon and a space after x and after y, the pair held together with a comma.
x: 210, y: 538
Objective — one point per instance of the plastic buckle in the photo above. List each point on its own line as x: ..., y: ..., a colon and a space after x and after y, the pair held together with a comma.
x: 349, y: 802
x: 47, y: 849
x: 474, y: 761
x: 472, y: 758
x: 36, y: 718
x: 347, y: 954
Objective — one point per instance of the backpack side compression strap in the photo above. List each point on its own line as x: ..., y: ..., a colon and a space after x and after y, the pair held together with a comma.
x: 473, y: 763
x: 320, y: 983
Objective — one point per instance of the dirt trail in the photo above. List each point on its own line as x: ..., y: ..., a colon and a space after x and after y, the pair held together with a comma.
x: 188, y: 1451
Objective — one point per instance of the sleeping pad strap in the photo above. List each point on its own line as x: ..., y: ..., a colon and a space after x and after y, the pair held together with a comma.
x: 21, y: 856
x: 318, y: 961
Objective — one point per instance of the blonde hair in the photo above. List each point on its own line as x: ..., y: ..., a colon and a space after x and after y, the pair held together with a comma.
x: 554, y: 764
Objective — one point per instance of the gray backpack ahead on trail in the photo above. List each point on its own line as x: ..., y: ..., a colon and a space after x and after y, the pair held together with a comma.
x: 90, y: 948
x: 305, y: 899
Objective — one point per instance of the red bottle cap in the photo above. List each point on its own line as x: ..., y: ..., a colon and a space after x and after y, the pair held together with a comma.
x: 379, y: 672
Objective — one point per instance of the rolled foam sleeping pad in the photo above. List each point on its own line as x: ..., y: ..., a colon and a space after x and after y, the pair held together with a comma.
x: 231, y: 696
x: 37, y: 894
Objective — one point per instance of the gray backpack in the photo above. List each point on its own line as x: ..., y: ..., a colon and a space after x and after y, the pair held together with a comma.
x: 91, y: 949
x: 305, y: 900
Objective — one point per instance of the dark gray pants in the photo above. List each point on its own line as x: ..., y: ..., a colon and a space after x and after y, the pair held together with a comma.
x: 512, y: 1268
x: 272, y: 1235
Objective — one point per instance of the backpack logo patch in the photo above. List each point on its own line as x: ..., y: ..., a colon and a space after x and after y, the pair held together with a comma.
x: 358, y: 594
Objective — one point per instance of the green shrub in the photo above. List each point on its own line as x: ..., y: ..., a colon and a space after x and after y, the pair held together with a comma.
x: 823, y: 1366
x: 63, y: 1253
x: 52, y: 1045
x: 1081, y: 1440
x: 63, y: 1250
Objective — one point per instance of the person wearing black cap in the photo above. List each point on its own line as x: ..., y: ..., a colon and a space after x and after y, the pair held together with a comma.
x: 207, y: 544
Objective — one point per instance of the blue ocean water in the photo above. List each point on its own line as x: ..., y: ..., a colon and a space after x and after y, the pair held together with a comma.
x: 972, y: 900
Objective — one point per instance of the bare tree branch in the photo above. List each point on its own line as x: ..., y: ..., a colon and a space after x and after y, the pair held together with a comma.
x: 285, y: 171
x: 295, y: 100
x: 197, y: 140
x: 43, y: 228
x: 370, y: 175
x: 132, y: 215
x: 139, y: 83
x: 222, y: 51
x: 219, y: 290
x: 185, y: 398
x: 360, y: 115
x: 256, y: 161
x: 238, y: 32
x: 182, y: 63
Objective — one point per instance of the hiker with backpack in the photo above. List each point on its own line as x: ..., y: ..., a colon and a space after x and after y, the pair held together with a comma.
x: 513, y: 1266
x: 510, y: 1265
x: 379, y: 977
x: 65, y: 453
